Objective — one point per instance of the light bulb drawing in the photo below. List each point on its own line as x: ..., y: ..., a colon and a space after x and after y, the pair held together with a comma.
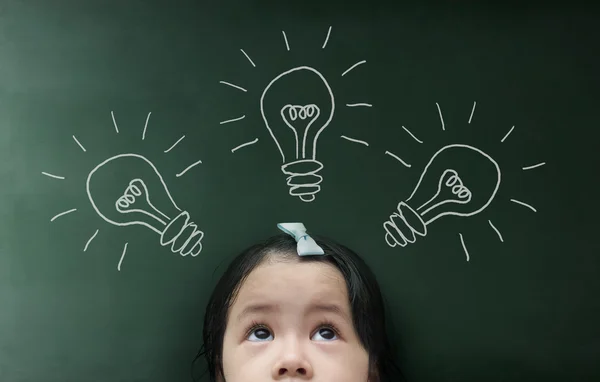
x: 134, y: 204
x: 459, y: 180
x: 294, y: 122
x: 296, y: 107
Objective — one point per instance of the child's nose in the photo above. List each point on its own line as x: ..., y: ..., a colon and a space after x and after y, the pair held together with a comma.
x: 292, y: 364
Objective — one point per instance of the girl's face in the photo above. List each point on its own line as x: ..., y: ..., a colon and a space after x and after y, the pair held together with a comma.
x: 292, y: 322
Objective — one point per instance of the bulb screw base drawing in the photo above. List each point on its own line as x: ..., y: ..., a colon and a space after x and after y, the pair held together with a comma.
x: 403, y: 226
x: 184, y: 236
x: 303, y: 178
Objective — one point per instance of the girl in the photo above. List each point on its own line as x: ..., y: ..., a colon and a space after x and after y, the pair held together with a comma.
x: 292, y: 308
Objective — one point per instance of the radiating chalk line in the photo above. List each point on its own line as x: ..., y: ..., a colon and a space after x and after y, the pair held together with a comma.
x: 90, y: 240
x: 359, y: 104
x: 507, y: 134
x: 122, y: 256
x: 80, y: 145
x: 63, y: 213
x: 233, y: 86
x: 146, y: 126
x: 462, y: 241
x: 232, y: 120
x: 353, y: 66
x: 534, y: 166
x: 355, y: 140
x: 174, y: 144
x: 188, y: 167
x: 440, y: 113
x: 53, y: 176
x: 248, y: 57
x: 326, y: 38
x: 497, y: 232
x: 114, y: 121
x: 412, y: 135
x: 398, y: 158
x: 523, y: 204
x: 287, y: 45
x: 472, y: 111
x: 244, y: 144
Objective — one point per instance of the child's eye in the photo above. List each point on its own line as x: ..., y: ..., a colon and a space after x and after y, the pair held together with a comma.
x: 259, y: 332
x: 327, y: 333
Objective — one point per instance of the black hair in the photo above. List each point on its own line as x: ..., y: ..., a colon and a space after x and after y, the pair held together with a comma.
x: 366, y: 302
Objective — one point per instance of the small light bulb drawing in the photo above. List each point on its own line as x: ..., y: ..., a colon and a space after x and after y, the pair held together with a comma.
x: 459, y: 180
x: 141, y: 197
x: 296, y: 127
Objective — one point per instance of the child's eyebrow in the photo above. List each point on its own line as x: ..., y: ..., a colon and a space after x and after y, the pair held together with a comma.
x: 273, y: 308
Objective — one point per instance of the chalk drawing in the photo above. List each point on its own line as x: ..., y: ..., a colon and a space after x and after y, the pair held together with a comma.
x: 355, y: 140
x: 353, y: 66
x: 326, y: 38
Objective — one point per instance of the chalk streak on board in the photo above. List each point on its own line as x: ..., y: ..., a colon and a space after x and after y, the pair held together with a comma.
x: 90, y: 240
x: 122, y: 256
x: 326, y: 38
x: 353, y: 66
x: 188, y: 167
x: 63, y: 213
x: 462, y: 241
x: 174, y: 144
x: 233, y: 86
x: 80, y: 145
x: 244, y: 144
x: 248, y: 57
x: 53, y: 176
x: 359, y: 104
x: 523, y: 204
x: 287, y: 45
x: 146, y: 126
x: 412, y: 135
x: 355, y: 140
x: 114, y: 121
x: 497, y: 232
x: 397, y: 158
x: 441, y: 117
x: 534, y: 166
x: 233, y: 120
x: 472, y: 111
x: 507, y: 134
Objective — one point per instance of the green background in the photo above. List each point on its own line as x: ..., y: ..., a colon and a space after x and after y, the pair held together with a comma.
x: 524, y: 309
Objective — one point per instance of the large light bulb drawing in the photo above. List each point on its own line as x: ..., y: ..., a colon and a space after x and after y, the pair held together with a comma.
x: 459, y: 180
x: 296, y: 106
x: 127, y: 189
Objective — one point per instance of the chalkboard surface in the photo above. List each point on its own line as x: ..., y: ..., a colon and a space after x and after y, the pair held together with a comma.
x: 494, y: 278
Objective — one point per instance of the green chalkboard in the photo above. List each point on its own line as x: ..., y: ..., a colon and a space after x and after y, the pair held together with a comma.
x: 194, y: 104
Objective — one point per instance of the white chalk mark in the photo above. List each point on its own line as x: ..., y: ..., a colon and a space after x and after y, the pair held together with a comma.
x: 497, y: 232
x: 411, y: 134
x: 80, y: 145
x: 359, y: 104
x: 462, y: 241
x: 232, y: 120
x: 353, y: 66
x: 53, y: 176
x: 63, y: 213
x: 90, y: 240
x: 146, y: 126
x: 507, y: 134
x: 188, y: 167
x: 286, y: 40
x: 114, y: 121
x: 472, y: 111
x: 534, y: 166
x: 248, y: 57
x: 355, y: 140
x: 523, y: 204
x: 174, y: 144
x: 233, y: 86
x: 326, y: 38
x: 122, y: 256
x: 398, y: 158
x: 243, y: 145
x: 440, y: 113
